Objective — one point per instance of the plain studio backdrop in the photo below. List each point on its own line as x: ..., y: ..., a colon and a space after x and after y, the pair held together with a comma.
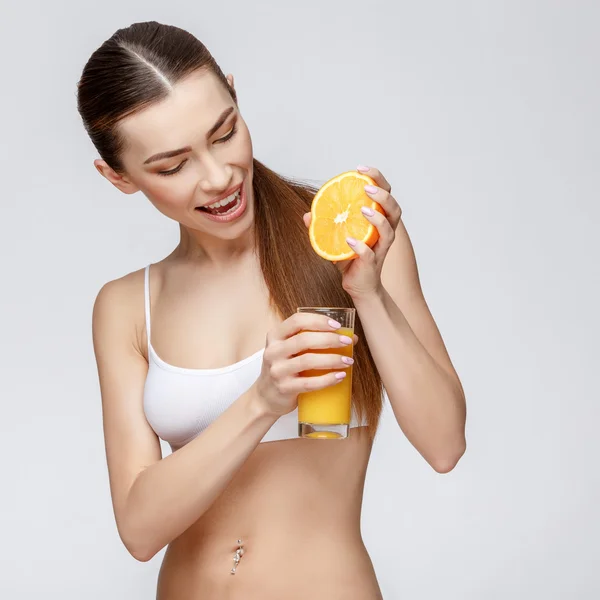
x: 484, y: 118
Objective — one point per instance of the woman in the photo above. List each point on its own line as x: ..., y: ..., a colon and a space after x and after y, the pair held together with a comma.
x: 247, y: 509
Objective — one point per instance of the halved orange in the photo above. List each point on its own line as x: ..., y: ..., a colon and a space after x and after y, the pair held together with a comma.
x: 335, y: 215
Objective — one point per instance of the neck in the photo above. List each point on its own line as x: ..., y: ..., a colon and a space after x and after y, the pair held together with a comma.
x: 195, y: 245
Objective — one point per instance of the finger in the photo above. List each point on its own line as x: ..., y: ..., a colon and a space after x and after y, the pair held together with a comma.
x: 384, y: 228
x: 310, y: 384
x: 355, y: 339
x: 312, y: 360
x: 392, y: 209
x: 307, y: 217
x: 313, y: 340
x: 344, y: 265
x: 363, y: 251
x: 376, y: 175
x: 301, y: 321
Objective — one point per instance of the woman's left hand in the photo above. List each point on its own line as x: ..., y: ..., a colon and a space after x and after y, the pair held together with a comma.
x: 361, y: 276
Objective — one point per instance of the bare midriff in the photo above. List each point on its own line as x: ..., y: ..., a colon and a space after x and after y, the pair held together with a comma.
x: 296, y: 506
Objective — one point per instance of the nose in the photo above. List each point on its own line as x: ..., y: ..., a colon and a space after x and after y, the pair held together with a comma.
x: 215, y: 177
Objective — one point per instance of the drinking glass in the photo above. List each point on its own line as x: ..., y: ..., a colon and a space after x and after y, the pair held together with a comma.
x: 325, y: 413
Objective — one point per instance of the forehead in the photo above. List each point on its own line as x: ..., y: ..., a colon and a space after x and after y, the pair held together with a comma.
x: 184, y: 116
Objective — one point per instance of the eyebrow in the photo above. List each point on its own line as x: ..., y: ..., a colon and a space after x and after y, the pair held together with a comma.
x: 211, y: 131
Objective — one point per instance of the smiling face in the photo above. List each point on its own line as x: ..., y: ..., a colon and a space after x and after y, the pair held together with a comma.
x: 187, y: 152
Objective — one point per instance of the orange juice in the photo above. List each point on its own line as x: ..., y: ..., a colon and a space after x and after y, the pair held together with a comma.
x: 331, y: 405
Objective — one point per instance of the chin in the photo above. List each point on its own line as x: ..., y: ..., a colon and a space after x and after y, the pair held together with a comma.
x: 236, y: 231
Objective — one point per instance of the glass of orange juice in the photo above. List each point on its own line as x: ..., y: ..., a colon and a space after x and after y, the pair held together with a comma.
x: 325, y: 414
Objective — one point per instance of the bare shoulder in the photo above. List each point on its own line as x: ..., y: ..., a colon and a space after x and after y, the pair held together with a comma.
x: 121, y: 293
x: 119, y: 308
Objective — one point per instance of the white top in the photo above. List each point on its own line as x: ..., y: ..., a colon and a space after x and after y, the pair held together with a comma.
x: 181, y: 403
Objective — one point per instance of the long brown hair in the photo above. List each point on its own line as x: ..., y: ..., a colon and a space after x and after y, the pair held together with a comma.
x: 137, y: 67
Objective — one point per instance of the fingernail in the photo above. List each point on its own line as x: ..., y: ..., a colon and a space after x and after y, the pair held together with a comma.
x: 351, y: 241
x: 340, y: 375
x: 347, y: 360
x: 370, y: 189
x: 334, y: 324
x: 345, y: 339
x: 362, y: 168
x: 365, y: 210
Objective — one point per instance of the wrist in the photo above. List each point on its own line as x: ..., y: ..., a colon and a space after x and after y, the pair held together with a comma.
x: 372, y: 297
x: 258, y: 407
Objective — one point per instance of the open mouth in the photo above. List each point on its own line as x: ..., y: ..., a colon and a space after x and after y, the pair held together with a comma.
x: 223, y: 207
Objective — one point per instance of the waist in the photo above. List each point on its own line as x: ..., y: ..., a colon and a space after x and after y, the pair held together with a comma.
x: 296, y: 506
x: 286, y: 561
x: 275, y: 525
x: 274, y: 514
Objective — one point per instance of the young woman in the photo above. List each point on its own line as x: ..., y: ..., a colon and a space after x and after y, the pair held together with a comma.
x: 247, y: 509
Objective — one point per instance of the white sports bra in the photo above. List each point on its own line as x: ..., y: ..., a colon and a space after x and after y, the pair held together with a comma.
x: 180, y: 403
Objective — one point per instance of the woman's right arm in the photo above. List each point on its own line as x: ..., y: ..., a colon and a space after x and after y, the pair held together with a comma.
x: 155, y: 500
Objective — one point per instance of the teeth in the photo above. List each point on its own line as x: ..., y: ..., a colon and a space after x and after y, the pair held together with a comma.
x: 233, y: 208
x: 225, y: 201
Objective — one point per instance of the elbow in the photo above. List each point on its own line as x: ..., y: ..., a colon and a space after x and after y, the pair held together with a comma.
x: 139, y: 548
x: 444, y: 466
x: 447, y: 462
x: 141, y: 554
x: 454, y: 449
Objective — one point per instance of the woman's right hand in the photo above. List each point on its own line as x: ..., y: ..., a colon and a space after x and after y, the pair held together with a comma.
x: 287, y: 353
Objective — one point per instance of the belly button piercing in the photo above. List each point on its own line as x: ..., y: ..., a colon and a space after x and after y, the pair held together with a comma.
x: 237, y: 556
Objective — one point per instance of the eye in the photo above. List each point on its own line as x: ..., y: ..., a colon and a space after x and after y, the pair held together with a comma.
x: 178, y: 168
x: 173, y: 171
x: 229, y: 135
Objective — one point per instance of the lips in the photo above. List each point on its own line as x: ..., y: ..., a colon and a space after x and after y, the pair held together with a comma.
x: 221, y: 209
x: 222, y: 196
x: 231, y: 213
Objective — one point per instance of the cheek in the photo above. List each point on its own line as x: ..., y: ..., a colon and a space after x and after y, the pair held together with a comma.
x: 171, y: 195
x: 244, y: 149
x: 244, y: 157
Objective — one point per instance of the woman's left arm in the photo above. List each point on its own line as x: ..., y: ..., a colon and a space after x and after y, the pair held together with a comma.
x: 424, y: 390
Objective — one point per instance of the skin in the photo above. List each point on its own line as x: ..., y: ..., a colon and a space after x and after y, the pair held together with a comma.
x: 295, y: 503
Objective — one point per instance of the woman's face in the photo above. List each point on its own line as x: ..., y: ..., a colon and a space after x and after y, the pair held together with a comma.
x: 189, y: 151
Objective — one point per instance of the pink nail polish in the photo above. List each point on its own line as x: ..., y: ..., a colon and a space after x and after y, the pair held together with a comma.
x: 334, y: 324
x: 340, y: 375
x: 370, y: 189
x: 347, y: 360
x: 351, y: 241
x: 365, y: 210
x: 345, y: 339
x: 362, y: 168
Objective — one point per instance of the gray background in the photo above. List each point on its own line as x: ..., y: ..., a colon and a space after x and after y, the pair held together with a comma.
x: 484, y: 117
